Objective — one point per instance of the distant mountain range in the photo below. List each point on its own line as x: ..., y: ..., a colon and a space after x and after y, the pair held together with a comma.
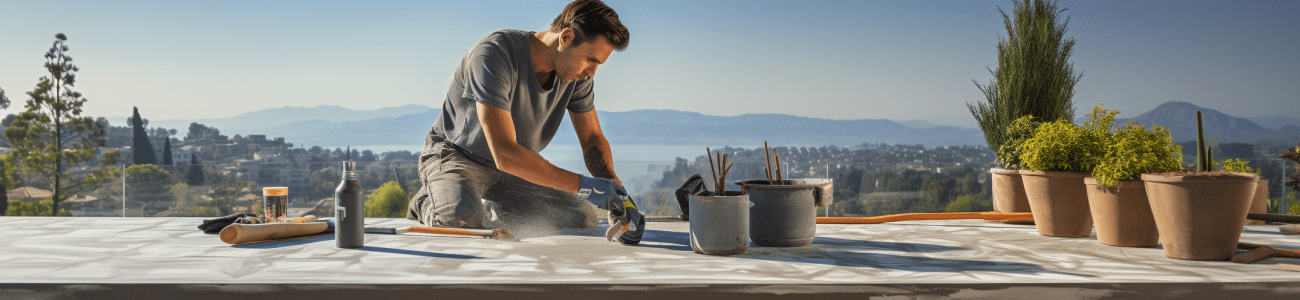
x: 334, y: 125
x: 1180, y: 119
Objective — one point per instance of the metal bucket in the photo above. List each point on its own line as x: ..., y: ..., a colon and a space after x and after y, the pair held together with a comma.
x: 720, y: 224
x: 786, y: 215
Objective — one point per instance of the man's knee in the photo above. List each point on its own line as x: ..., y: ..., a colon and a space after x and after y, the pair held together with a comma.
x: 448, y: 204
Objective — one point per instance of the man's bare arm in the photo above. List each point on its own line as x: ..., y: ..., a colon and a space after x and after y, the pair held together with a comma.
x: 595, y: 148
x: 512, y: 158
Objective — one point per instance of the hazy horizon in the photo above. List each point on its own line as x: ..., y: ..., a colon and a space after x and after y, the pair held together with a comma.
x: 897, y: 60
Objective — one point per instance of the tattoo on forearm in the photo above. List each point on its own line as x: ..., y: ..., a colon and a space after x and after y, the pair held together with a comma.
x: 596, y: 163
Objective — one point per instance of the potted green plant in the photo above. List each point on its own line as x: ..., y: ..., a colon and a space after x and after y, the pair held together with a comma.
x: 1056, y: 159
x: 1008, y: 188
x: 1116, y: 195
x: 1192, y: 208
x: 1259, y: 202
x: 1033, y: 77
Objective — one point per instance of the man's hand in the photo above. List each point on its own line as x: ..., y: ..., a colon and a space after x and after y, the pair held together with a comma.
x: 628, y: 225
x: 603, y: 193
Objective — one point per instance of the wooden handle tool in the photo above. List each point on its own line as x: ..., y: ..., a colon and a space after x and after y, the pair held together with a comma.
x: 248, y: 233
x: 993, y: 215
x: 1280, y: 218
x: 496, y: 234
x: 1259, y: 252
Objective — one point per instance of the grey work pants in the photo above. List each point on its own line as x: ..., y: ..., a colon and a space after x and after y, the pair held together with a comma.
x: 459, y: 192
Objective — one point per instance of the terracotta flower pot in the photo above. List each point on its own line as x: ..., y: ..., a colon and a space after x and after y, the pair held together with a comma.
x: 1008, y: 191
x: 1122, y: 214
x: 1059, y: 201
x: 1197, y: 213
x: 1260, y: 202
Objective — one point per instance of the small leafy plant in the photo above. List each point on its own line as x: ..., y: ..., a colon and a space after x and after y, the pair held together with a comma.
x: 1239, y: 166
x: 1133, y: 150
x: 1063, y: 146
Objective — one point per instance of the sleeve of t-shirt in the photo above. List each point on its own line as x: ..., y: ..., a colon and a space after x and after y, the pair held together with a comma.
x: 488, y: 76
x: 584, y: 97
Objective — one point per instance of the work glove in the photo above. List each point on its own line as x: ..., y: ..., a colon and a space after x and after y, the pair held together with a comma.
x: 693, y: 186
x: 603, y: 193
x: 216, y: 225
x: 629, y: 225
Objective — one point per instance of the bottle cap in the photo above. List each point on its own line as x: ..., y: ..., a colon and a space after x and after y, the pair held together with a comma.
x: 349, y: 166
x: 275, y: 191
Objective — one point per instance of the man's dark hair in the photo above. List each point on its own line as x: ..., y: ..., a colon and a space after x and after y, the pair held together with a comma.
x: 589, y: 18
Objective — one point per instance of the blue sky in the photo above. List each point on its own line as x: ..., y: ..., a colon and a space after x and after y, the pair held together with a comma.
x: 891, y: 59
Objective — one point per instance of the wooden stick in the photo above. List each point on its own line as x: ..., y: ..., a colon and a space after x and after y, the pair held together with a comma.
x: 1280, y: 218
x: 779, y: 178
x: 1253, y: 256
x: 1259, y: 252
x: 709, y: 153
x: 993, y: 215
x: 768, y: 157
x: 498, y: 234
x: 726, y: 167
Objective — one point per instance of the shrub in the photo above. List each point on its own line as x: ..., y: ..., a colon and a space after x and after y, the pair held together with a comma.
x: 39, y: 208
x: 1019, y: 131
x: 1063, y: 146
x: 969, y: 203
x: 1133, y: 150
x: 389, y: 201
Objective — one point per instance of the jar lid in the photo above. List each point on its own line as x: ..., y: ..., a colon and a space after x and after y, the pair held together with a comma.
x: 275, y: 191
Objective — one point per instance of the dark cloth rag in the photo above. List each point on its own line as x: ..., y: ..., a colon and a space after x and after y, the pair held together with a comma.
x: 216, y: 225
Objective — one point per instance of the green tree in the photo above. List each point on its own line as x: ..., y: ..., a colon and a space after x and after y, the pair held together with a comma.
x: 151, y: 185
x: 1034, y: 76
x: 8, y: 178
x: 4, y: 101
x: 141, y: 149
x: 389, y: 201
x: 227, y: 189
x: 51, y: 135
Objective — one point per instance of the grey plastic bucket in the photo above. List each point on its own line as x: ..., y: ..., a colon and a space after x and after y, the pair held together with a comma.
x: 785, y: 215
x: 720, y: 224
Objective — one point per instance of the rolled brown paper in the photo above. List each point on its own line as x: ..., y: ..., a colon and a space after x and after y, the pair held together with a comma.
x: 1253, y: 256
x: 1289, y: 229
x: 248, y: 233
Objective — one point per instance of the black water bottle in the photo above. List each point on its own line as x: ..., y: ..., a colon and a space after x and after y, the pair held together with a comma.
x: 350, y: 211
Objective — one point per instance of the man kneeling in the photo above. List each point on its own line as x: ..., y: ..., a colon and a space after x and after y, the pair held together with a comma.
x: 480, y: 165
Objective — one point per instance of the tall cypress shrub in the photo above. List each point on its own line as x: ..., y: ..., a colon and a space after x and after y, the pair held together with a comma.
x: 1034, y: 76
x: 167, y: 152
x: 195, y: 176
x: 141, y: 150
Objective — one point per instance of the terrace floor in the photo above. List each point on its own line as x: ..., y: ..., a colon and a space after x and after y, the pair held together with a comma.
x: 106, y: 257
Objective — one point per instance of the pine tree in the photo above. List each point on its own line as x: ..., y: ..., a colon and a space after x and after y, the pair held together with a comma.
x: 167, y: 152
x: 141, y: 149
x: 51, y: 136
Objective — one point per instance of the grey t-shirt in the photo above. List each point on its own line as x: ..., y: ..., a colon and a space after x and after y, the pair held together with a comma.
x: 498, y: 71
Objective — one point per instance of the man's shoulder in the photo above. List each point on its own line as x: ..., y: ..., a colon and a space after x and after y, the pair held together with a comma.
x: 504, y: 36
